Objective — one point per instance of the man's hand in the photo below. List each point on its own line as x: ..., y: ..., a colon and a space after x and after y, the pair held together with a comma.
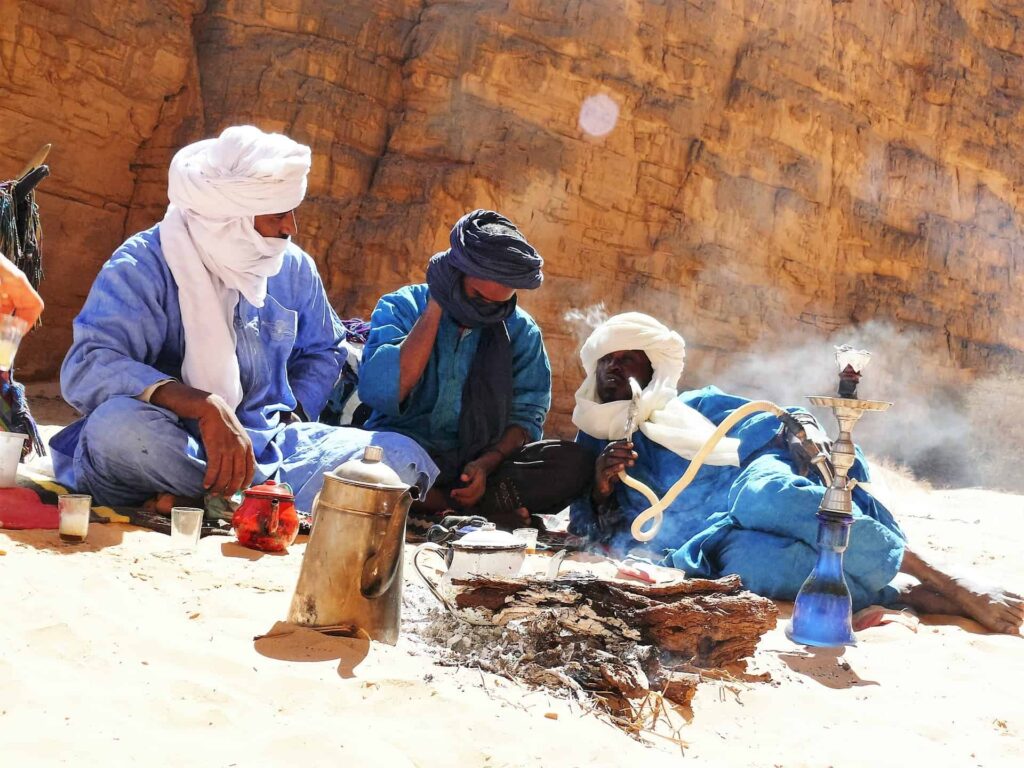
x: 17, y: 296
x: 474, y: 475
x: 615, y: 457
x: 230, y: 463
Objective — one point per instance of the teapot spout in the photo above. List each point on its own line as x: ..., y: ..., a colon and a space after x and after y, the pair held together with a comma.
x: 381, y: 567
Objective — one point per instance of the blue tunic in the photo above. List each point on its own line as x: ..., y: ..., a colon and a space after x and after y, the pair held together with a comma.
x: 757, y: 520
x: 430, y: 414
x: 129, y: 335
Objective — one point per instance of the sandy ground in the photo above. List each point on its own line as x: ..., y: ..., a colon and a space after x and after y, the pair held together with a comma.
x: 121, y: 652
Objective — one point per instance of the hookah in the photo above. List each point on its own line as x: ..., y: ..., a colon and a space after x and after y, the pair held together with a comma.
x: 822, y: 612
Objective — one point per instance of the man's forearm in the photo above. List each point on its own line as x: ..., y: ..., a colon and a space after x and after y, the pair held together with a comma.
x: 415, y: 351
x: 182, y: 400
x: 512, y: 440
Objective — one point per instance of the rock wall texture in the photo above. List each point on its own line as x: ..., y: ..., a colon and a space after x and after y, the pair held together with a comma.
x: 764, y: 175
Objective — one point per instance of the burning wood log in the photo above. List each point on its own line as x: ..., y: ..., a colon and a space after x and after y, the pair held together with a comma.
x: 617, y: 638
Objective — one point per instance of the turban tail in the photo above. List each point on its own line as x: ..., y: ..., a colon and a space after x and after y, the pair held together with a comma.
x: 213, y: 250
x: 506, y: 258
x: 662, y: 417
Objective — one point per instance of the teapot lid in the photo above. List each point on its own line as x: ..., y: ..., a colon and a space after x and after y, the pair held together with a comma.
x: 489, y: 539
x: 370, y: 471
x: 271, y: 490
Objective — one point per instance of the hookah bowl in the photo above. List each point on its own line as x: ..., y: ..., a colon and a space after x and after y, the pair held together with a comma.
x: 823, y: 610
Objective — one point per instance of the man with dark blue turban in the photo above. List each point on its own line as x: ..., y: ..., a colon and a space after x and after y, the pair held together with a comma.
x: 459, y: 367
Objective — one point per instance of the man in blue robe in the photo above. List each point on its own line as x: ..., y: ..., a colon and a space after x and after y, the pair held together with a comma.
x: 207, y: 345
x: 458, y: 366
x: 751, y: 509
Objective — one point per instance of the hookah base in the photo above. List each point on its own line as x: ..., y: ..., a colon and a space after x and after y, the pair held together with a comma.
x: 817, y: 640
x: 822, y: 619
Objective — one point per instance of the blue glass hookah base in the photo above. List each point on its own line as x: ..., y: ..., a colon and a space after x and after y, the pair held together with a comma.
x: 823, y: 610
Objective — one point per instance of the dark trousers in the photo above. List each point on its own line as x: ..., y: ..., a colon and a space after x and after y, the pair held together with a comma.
x: 543, y: 477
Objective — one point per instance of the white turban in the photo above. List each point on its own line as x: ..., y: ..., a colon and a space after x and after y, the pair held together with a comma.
x: 662, y: 417
x: 213, y: 250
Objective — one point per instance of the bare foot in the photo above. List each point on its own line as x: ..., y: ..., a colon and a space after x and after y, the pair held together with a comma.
x: 162, y: 503
x: 924, y: 599
x: 998, y: 610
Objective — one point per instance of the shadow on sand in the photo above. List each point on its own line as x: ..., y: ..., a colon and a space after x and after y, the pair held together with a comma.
x: 289, y: 642
x: 101, y: 535
x: 825, y: 666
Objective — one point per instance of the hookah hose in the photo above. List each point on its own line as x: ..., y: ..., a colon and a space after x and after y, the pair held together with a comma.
x: 647, y: 524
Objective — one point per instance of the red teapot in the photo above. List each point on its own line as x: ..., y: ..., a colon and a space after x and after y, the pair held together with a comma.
x: 266, y: 519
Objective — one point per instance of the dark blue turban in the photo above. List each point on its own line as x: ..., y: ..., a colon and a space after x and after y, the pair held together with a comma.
x: 485, y: 245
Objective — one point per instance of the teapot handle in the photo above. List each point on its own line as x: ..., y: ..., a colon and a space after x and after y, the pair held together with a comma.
x: 431, y: 585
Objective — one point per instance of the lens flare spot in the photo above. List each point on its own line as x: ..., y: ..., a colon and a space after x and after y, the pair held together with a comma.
x: 598, y: 115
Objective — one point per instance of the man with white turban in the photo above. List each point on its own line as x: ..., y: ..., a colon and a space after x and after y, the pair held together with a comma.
x: 207, y: 347
x: 751, y: 509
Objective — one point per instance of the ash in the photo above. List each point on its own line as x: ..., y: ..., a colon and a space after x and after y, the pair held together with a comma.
x: 539, y: 651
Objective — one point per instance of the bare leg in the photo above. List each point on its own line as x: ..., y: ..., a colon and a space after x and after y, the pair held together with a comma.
x: 434, y: 503
x: 924, y: 599
x: 996, y: 609
x: 163, y: 502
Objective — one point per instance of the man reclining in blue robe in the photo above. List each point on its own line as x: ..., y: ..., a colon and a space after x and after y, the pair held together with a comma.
x: 207, y: 345
x: 456, y: 365
x: 751, y: 509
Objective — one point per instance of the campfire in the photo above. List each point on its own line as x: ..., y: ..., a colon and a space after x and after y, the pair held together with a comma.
x: 625, y: 646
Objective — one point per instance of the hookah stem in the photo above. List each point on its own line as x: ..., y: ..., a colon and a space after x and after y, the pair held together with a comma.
x: 653, y: 514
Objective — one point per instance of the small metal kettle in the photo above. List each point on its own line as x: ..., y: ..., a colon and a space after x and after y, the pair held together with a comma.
x: 266, y: 519
x: 351, y: 577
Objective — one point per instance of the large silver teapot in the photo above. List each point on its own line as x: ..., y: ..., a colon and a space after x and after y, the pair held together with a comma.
x: 351, y: 575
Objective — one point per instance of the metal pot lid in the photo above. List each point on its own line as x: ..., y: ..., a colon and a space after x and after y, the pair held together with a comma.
x: 489, y: 541
x: 370, y: 471
x: 271, y: 490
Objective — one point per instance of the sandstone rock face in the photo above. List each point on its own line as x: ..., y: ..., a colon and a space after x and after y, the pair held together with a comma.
x: 762, y: 175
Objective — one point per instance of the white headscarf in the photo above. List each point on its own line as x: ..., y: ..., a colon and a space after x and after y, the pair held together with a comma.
x: 663, y: 418
x: 213, y: 250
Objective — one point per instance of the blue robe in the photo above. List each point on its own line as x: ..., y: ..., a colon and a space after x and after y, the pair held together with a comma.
x: 757, y: 520
x: 129, y: 335
x: 430, y: 413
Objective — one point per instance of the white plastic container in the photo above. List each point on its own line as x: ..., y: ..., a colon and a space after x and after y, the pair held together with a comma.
x: 11, y: 444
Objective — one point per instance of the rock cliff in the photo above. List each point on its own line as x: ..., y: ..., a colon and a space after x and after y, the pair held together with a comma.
x: 764, y: 175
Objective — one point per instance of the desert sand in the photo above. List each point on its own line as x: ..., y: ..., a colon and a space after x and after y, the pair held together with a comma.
x: 121, y: 652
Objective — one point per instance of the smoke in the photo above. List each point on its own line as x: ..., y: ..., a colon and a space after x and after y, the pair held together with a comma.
x: 944, y: 426
x: 582, y: 321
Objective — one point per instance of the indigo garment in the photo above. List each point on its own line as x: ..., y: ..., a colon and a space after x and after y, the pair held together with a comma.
x: 127, y: 450
x: 757, y: 520
x: 129, y: 336
x: 485, y: 245
x: 431, y: 413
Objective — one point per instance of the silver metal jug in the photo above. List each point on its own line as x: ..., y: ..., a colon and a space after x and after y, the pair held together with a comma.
x: 351, y: 575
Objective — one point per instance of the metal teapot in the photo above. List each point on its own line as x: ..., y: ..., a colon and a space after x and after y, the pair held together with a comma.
x: 485, y: 552
x: 351, y: 577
